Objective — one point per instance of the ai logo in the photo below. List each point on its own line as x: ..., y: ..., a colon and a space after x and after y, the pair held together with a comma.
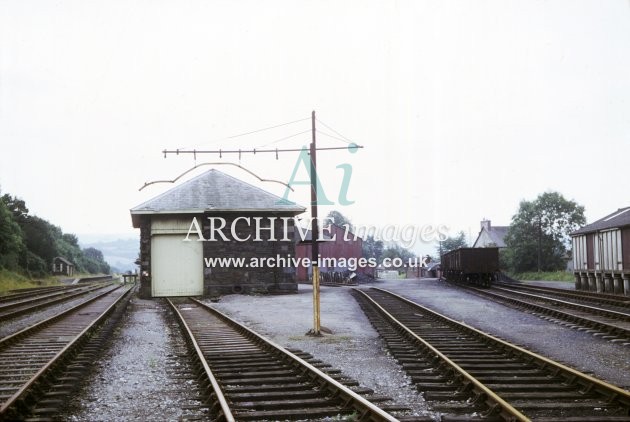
x: 304, y: 160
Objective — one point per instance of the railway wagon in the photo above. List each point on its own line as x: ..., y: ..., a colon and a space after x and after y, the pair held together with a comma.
x: 471, y: 265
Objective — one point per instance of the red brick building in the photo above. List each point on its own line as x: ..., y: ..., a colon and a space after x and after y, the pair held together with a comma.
x: 337, y: 248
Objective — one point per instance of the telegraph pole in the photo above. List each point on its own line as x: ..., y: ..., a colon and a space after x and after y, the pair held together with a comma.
x: 314, y: 232
x: 314, y: 188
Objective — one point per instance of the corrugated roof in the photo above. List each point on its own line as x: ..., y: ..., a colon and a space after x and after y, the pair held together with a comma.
x: 214, y: 191
x: 619, y: 218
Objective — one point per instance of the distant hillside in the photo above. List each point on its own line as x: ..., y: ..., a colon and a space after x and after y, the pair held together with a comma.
x: 120, y: 254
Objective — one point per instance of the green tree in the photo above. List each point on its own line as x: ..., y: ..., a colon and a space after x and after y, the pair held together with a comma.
x: 34, y: 266
x: 11, y: 239
x: 71, y: 239
x: 340, y: 220
x: 451, y: 243
x: 397, y: 251
x: 40, y: 238
x: 93, y: 253
x: 373, y: 248
x: 29, y: 243
x: 539, y: 233
x: 94, y: 261
x: 17, y: 207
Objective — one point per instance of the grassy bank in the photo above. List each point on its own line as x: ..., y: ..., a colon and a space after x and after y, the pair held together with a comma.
x: 547, y: 276
x: 10, y: 280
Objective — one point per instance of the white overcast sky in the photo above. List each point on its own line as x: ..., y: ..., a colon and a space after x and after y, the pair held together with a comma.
x: 465, y: 108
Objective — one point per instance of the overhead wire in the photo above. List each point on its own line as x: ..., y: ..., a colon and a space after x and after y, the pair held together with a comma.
x: 249, y: 133
x: 194, y: 151
x: 340, y: 137
x: 345, y: 139
x: 333, y: 137
x: 285, y: 138
x: 267, y: 128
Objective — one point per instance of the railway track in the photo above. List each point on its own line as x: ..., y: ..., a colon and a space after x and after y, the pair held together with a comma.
x: 19, y: 294
x: 23, y: 306
x: 30, y: 358
x: 250, y: 378
x: 614, y: 302
x: 469, y: 375
x: 608, y: 324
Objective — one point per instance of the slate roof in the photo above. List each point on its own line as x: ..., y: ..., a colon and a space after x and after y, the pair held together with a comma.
x: 497, y: 235
x: 619, y: 218
x: 64, y: 260
x: 214, y: 191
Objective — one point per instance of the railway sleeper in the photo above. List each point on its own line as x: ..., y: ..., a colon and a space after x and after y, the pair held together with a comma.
x: 510, y: 379
x: 261, y: 381
x: 446, y: 396
x: 423, y: 379
x: 576, y: 405
x: 291, y: 414
x: 243, y: 364
x: 236, y: 389
x: 427, y: 386
x: 252, y: 357
x: 602, y: 418
x: 418, y: 365
x: 499, y: 366
x: 463, y: 408
x: 541, y: 395
x: 502, y: 388
x: 249, y: 368
x: 285, y: 404
x: 481, y: 359
x: 227, y: 376
x: 238, y: 397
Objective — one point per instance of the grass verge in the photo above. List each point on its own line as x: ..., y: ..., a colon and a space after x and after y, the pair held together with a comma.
x: 10, y: 280
x: 546, y: 276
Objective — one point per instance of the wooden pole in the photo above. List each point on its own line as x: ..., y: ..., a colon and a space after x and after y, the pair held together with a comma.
x: 314, y: 233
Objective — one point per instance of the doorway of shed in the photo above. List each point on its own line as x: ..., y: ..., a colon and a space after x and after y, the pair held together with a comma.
x: 176, y: 266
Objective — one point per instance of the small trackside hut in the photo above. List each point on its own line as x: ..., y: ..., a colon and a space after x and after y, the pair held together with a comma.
x: 212, y: 216
x: 61, y: 266
x: 601, y: 254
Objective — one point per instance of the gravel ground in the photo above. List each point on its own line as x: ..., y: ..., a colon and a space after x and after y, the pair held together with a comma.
x: 585, y: 352
x: 143, y: 375
x: 353, y: 347
x: 140, y: 376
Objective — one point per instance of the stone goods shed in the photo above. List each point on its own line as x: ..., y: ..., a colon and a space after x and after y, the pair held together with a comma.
x: 248, y: 223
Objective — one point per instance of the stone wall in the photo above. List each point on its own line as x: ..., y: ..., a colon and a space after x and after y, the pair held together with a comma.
x: 224, y: 280
x: 145, y: 258
x: 220, y: 280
